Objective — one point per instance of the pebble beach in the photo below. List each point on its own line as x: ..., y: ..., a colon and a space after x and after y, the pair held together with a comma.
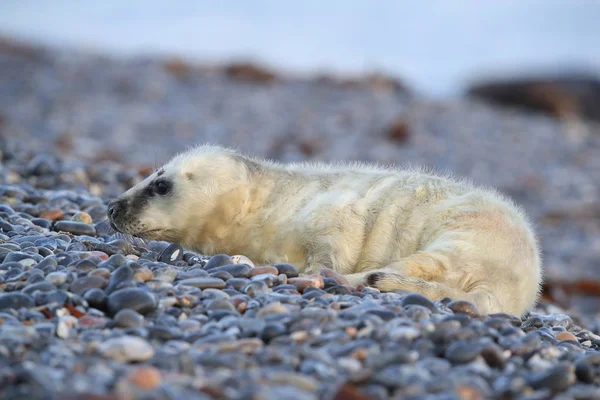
x: 88, y: 313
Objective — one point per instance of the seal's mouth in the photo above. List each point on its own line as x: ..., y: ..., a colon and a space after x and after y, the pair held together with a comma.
x: 114, y: 226
x: 157, y: 234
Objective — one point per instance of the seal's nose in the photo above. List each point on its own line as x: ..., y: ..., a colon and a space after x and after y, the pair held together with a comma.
x: 114, y: 207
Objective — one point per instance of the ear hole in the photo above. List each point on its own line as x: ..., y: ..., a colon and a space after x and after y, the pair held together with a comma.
x: 189, y: 176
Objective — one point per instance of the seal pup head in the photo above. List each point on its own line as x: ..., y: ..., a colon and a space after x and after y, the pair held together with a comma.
x: 175, y: 201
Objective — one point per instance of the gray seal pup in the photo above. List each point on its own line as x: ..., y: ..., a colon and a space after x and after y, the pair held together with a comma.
x: 388, y: 228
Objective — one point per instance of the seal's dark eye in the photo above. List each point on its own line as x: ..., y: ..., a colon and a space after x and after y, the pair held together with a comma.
x: 162, y: 188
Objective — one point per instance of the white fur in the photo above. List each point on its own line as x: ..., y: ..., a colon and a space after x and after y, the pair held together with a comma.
x: 392, y: 228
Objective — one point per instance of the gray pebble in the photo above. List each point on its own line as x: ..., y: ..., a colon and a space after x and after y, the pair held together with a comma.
x: 15, y: 301
x: 254, y: 288
x: 80, y: 285
x: 217, y: 261
x: 127, y: 349
x: 417, y: 299
x: 140, y: 300
x: 128, y: 318
x: 76, y: 228
x: 204, y: 283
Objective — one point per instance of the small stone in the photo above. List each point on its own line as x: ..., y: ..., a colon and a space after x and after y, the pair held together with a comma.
x: 273, y: 308
x: 140, y: 300
x: 349, y: 391
x: 80, y: 285
x: 103, y: 272
x: 236, y: 270
x: 128, y: 318
x: 255, y: 288
x: 56, y: 278
x: 118, y: 276
x: 127, y: 349
x: 217, y: 261
x: 461, y: 352
x: 42, y: 164
x: 143, y: 274
x: 171, y: 254
x: 82, y: 217
x: 287, y: 269
x: 25, y: 259
x: 557, y: 378
x: 269, y: 279
x: 91, y: 322
x: 492, y: 354
x: 566, y: 336
x: 223, y: 275
x: 15, y: 300
x: 221, y: 304
x: 145, y: 377
x: 52, y: 215
x: 100, y: 254
x: 62, y: 330
x: 303, y: 382
x: 463, y: 307
x: 76, y: 228
x: 238, y: 283
x: 587, y: 369
x: 204, y: 283
x: 405, y: 332
x: 417, y: 299
x: 272, y: 330
x: 267, y: 269
x: 166, y: 274
x: 305, y: 282
x: 239, y: 259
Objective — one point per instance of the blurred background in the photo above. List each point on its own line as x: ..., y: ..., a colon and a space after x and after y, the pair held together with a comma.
x: 505, y: 93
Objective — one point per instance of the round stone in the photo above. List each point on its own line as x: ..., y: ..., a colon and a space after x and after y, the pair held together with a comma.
x: 241, y: 259
x: 171, y: 254
x: 417, y: 299
x: 463, y: 307
x: 166, y: 274
x: 557, y: 378
x: 128, y: 318
x: 25, y: 259
x: 76, y: 228
x: 217, y: 261
x: 255, y: 288
x: 236, y: 270
x: 302, y: 283
x: 204, y: 282
x: 80, y: 285
x: 121, y: 274
x: 461, y: 352
x: 144, y: 377
x: 56, y: 278
x: 127, y: 349
x: 221, y: 304
x: 96, y: 298
x: 563, y: 336
x: 140, y: 300
x: 223, y: 275
x: 82, y: 217
x: 52, y: 215
x: 42, y: 164
x: 267, y: 269
x: 287, y: 269
x: 15, y: 300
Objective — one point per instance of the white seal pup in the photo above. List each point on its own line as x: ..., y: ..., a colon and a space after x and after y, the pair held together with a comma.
x: 388, y: 228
